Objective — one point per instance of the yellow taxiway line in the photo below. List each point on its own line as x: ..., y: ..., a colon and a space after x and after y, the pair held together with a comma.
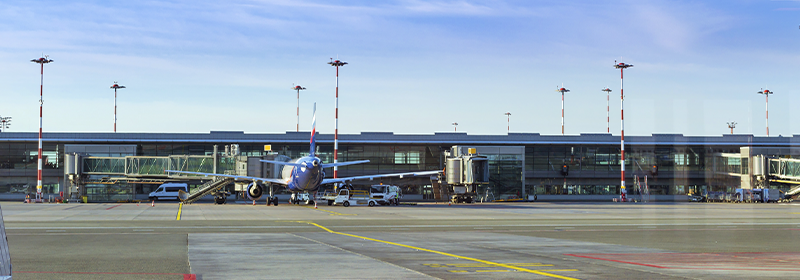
x: 332, y: 213
x: 517, y: 268
x: 180, y: 207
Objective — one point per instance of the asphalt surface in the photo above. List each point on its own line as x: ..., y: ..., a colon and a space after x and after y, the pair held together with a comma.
x: 425, y: 241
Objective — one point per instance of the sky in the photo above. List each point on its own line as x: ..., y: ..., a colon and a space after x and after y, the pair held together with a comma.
x: 415, y: 67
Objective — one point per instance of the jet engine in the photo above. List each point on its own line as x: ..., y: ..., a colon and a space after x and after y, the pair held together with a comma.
x: 254, y: 191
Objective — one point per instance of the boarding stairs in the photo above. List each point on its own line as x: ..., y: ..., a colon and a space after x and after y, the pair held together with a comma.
x: 206, y: 189
x: 790, y: 195
x: 441, y: 192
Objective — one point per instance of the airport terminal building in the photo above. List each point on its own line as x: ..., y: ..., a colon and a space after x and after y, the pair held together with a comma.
x: 112, y: 166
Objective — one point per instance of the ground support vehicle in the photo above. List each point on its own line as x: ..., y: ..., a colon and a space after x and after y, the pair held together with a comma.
x: 386, y: 194
x: 301, y: 197
x: 349, y: 198
x: 168, y: 191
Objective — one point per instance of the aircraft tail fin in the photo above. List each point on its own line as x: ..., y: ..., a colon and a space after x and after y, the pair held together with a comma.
x: 313, y: 131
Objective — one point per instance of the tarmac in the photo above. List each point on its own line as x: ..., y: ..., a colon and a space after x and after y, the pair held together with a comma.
x: 424, y: 241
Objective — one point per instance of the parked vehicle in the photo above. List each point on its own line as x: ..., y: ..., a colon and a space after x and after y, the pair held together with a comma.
x: 348, y: 198
x: 168, y: 191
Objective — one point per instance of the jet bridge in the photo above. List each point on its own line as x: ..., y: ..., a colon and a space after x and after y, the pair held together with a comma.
x: 119, y: 175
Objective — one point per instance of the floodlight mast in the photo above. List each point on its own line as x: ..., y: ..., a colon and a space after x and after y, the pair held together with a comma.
x: 5, y: 122
x: 115, y: 86
x: 508, y: 115
x: 41, y: 61
x: 608, y: 109
x: 621, y: 66
x: 732, y: 125
x: 336, y: 63
x: 298, y: 88
x: 766, y: 93
x: 562, y: 90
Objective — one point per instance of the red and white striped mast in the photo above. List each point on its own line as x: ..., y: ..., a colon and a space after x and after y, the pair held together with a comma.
x: 455, y: 127
x: 766, y: 93
x: 41, y: 61
x: 115, y: 87
x: 508, y: 114
x: 562, y: 90
x: 298, y: 88
x: 336, y: 63
x: 608, y: 109
x: 621, y: 66
x: 732, y: 125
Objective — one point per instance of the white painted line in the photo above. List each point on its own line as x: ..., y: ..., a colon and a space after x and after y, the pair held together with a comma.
x: 560, y: 226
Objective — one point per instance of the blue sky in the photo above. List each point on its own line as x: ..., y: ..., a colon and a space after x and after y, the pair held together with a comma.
x: 415, y: 66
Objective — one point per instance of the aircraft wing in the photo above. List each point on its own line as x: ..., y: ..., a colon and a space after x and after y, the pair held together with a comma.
x: 326, y: 165
x: 283, y: 163
x: 235, y: 177
x: 401, y: 175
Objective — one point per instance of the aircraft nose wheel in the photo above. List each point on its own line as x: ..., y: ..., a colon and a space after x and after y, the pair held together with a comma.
x: 220, y: 199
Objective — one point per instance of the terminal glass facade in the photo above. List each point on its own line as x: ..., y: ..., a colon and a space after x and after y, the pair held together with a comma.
x: 593, y: 166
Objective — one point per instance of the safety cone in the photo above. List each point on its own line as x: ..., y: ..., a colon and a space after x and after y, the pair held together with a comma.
x: 315, y: 205
x: 254, y: 203
x: 152, y: 203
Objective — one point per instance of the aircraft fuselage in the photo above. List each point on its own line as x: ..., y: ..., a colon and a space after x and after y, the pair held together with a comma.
x: 304, y: 178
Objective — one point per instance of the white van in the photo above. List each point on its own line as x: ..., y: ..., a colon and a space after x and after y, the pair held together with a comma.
x: 169, y: 191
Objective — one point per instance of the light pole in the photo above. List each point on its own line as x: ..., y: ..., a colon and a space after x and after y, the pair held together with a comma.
x: 455, y: 126
x: 336, y: 63
x: 508, y: 115
x: 621, y: 66
x: 42, y: 61
x: 115, y: 86
x: 298, y: 88
x: 5, y: 122
x: 732, y: 125
x: 562, y: 90
x: 766, y: 93
x: 608, y: 109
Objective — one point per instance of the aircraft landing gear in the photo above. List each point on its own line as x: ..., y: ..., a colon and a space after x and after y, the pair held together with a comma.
x: 272, y: 199
x: 220, y: 199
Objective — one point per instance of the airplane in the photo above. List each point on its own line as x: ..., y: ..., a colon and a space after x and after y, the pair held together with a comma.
x: 303, y: 175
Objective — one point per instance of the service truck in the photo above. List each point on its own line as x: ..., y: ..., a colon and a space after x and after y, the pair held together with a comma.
x: 349, y: 198
x: 386, y: 194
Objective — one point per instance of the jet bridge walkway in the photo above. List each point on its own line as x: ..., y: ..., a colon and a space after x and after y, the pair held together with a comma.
x: 206, y: 189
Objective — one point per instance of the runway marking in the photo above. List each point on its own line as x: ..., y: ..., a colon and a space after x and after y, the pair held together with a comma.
x: 481, y: 265
x: 180, y: 207
x: 517, y: 268
x: 332, y: 213
x: 610, y: 260
x: 432, y: 226
x: 185, y: 276
x: 72, y: 207
x: 711, y: 261
x: 112, y: 207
